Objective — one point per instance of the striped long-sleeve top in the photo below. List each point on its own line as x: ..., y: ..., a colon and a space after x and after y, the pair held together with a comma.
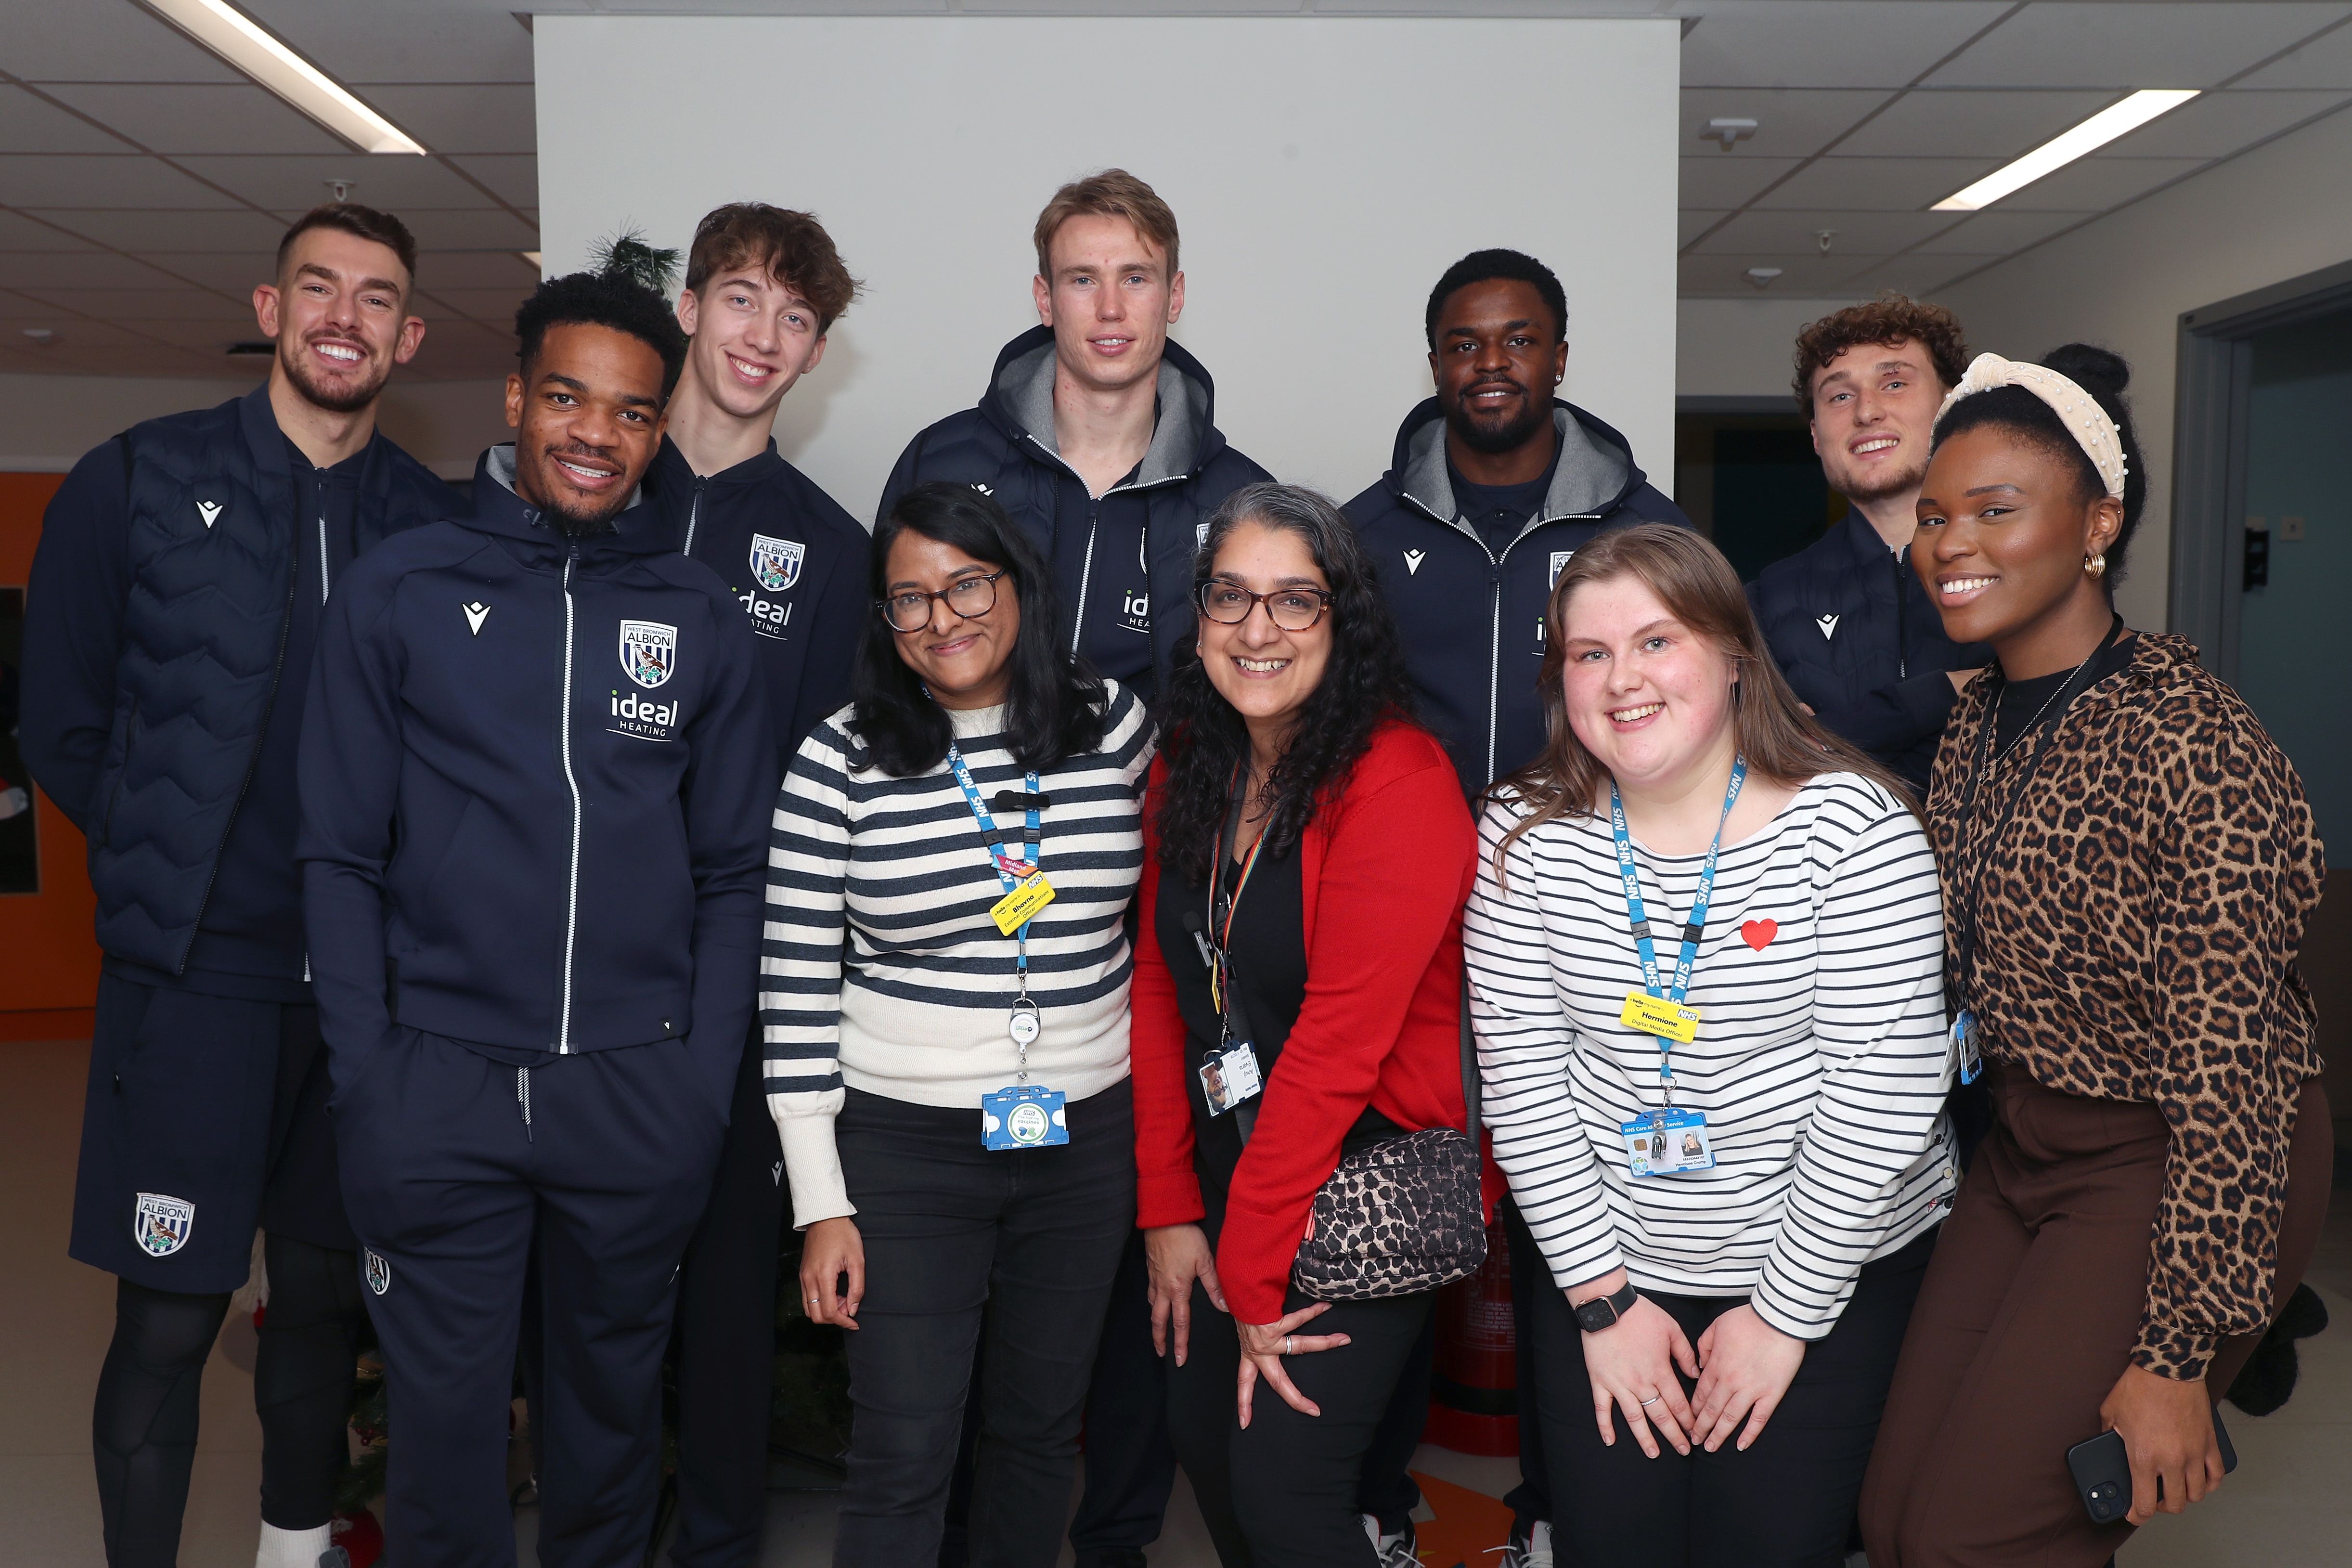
x: 1821, y: 1061
x: 880, y: 967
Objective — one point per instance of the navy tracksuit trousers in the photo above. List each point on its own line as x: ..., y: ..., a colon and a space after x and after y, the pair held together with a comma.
x: 459, y: 1171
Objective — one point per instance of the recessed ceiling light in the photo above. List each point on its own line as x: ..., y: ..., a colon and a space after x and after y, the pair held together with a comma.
x: 41, y: 335
x: 2060, y: 151
x: 1761, y: 275
x: 237, y: 38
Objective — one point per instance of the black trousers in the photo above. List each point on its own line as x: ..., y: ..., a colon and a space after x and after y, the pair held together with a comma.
x: 1285, y: 1492
x: 725, y: 1342
x: 1028, y: 1240
x: 1787, y: 1502
x: 1529, y: 1501
x: 1130, y: 1463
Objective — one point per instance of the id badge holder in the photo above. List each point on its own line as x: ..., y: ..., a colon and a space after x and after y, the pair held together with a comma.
x: 1024, y: 1117
x: 1229, y: 1077
x: 1667, y: 1142
x: 1964, y: 1036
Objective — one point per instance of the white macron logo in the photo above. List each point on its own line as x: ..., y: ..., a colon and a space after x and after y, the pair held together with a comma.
x: 1413, y: 560
x: 476, y: 613
x: 208, y: 511
x: 1828, y: 625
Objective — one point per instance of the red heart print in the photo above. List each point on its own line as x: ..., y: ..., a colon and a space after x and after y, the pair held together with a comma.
x: 1757, y: 933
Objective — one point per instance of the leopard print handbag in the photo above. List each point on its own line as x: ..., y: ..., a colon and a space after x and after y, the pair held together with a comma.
x: 1400, y: 1217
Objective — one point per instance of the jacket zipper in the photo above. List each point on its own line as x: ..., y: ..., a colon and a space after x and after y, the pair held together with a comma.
x: 693, y: 514
x: 1085, y: 574
x: 324, y: 585
x: 245, y: 785
x: 572, y: 889
x: 1902, y: 631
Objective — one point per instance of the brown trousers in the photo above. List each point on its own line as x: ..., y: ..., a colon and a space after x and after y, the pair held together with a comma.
x: 2026, y: 1320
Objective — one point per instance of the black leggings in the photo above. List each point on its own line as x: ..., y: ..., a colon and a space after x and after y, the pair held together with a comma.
x: 143, y: 1423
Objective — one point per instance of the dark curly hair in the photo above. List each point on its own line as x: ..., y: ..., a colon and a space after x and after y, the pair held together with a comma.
x: 1484, y: 267
x: 1364, y: 686
x: 1055, y: 705
x: 1890, y: 318
x: 2103, y: 374
x: 601, y: 299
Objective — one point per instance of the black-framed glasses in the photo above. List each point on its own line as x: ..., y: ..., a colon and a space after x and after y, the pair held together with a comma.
x: 1291, y: 609
x: 967, y: 596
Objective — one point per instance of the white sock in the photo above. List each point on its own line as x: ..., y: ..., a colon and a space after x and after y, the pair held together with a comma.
x: 293, y: 1548
x: 1372, y: 1530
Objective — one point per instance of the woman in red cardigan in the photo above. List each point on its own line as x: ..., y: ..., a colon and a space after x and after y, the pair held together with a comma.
x: 1307, y: 854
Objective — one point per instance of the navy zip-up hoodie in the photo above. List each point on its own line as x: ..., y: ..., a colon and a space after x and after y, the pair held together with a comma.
x: 535, y: 793
x: 1862, y: 645
x: 1472, y: 620
x: 794, y: 561
x: 1123, y: 563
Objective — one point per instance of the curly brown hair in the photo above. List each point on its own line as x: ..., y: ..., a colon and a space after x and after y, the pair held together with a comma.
x: 791, y: 245
x: 1892, y: 318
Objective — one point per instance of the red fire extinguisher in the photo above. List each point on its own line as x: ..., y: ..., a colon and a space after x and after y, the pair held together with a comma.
x: 1474, y: 1406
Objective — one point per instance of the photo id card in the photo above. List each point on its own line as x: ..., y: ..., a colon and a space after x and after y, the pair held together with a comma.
x: 1667, y: 1142
x: 1023, y: 1117
x: 1229, y: 1077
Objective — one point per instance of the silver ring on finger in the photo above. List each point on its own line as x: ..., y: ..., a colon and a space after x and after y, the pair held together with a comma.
x: 1286, y: 1346
x: 1651, y: 1400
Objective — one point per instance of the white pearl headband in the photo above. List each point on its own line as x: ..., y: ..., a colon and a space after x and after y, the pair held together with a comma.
x: 2076, y: 409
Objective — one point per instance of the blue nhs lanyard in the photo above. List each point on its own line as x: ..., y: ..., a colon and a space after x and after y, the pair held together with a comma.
x: 1641, y: 920
x: 1000, y: 852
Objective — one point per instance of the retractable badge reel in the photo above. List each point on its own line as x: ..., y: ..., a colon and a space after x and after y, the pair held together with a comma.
x: 1023, y: 1115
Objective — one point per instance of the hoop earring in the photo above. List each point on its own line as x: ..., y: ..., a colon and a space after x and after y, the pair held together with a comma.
x: 2096, y: 565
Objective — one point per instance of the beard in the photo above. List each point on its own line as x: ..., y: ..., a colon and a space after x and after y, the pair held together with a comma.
x: 1869, y: 486
x: 1500, y: 432
x: 334, y: 397
x: 576, y: 526
x: 575, y: 518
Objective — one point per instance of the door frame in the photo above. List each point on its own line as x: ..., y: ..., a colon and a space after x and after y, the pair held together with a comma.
x: 2212, y: 397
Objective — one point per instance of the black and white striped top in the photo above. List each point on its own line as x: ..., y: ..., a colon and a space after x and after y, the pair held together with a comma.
x: 879, y: 964
x: 1822, y: 1060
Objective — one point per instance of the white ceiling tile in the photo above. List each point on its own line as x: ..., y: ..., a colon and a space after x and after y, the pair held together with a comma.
x: 18, y: 232
x: 235, y: 273
x: 238, y: 230
x: 1998, y: 233
x: 1789, y: 121
x: 15, y: 321
x: 379, y: 180
x: 23, y: 270
x: 2324, y: 62
x: 475, y: 270
x: 2220, y: 123
x: 485, y: 229
x: 1824, y: 43
x: 1692, y: 224
x: 1807, y: 274
x: 514, y: 178
x: 1727, y: 178
x: 360, y: 41
x: 102, y: 40
x: 129, y: 180
x: 1889, y: 184
x: 1854, y: 233
x: 30, y: 124
x: 489, y: 117
x: 1919, y: 275
x: 107, y: 303
x: 1970, y: 124
x: 212, y: 335
x: 210, y: 117
x: 2097, y: 184
x: 2063, y: 44
x: 493, y: 305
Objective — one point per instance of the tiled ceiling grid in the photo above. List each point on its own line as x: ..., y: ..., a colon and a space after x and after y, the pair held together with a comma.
x: 1869, y: 112
x: 143, y: 181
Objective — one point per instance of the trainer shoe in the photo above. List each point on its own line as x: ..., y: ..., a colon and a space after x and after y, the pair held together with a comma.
x: 1398, y: 1550
x: 1532, y: 1549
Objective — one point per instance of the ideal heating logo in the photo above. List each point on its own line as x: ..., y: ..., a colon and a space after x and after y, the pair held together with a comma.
x: 643, y: 717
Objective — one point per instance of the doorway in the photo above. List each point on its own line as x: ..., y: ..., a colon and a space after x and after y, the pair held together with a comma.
x: 1745, y: 476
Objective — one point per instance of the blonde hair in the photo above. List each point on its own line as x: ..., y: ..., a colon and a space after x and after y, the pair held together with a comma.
x: 1112, y: 193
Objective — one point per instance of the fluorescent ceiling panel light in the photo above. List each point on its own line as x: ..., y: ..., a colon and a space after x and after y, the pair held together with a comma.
x: 2060, y: 151
x: 232, y: 34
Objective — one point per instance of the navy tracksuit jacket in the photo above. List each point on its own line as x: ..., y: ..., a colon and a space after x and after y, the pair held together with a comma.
x: 1471, y: 618
x: 535, y: 778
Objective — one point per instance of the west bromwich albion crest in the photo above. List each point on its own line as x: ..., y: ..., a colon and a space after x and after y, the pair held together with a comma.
x: 648, y: 651
x: 163, y: 1225
x: 776, y: 563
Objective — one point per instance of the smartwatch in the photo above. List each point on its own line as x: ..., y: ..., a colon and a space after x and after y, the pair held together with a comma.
x: 1603, y: 1310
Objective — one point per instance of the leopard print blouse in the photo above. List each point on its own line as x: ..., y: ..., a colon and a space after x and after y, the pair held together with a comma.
x: 2139, y: 923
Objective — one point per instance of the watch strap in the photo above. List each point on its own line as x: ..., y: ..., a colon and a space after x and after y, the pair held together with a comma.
x: 1602, y: 1311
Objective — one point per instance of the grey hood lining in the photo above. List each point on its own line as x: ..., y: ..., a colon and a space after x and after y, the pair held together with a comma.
x: 1590, y: 476
x: 1027, y: 387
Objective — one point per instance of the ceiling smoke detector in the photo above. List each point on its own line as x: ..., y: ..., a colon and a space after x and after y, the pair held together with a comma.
x: 343, y: 188
x: 1761, y: 275
x: 1822, y: 236
x: 1727, y: 131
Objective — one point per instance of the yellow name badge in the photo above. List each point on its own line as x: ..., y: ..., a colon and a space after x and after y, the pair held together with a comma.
x: 1656, y: 1015
x: 1015, y: 907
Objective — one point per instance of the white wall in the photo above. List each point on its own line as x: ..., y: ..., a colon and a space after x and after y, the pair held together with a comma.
x: 46, y: 422
x: 1742, y: 348
x: 2275, y: 214
x: 1325, y: 171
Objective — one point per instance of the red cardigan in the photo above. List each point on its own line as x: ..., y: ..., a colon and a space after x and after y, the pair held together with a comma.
x: 1384, y: 870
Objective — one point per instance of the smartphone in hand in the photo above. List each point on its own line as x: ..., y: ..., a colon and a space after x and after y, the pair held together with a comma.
x: 2102, y: 1472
